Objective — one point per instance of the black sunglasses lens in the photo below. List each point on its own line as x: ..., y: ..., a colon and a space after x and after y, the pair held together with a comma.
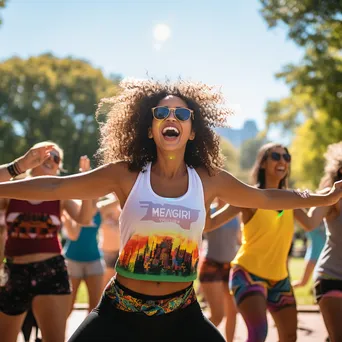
x: 287, y: 157
x: 275, y: 156
x: 161, y: 113
x: 56, y: 158
x: 182, y: 114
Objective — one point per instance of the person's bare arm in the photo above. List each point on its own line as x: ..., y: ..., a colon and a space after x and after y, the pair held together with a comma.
x: 239, y: 194
x: 88, y: 185
x: 31, y: 159
x: 71, y: 227
x: 3, y: 237
x: 107, y: 206
x: 222, y: 216
x: 84, y: 212
x: 81, y: 213
x: 311, y: 220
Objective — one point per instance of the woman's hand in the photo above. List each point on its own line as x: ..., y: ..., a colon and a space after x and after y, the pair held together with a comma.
x: 84, y: 164
x: 335, y: 194
x: 34, y: 157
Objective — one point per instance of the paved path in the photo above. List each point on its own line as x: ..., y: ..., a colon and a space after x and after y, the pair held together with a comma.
x: 311, y: 327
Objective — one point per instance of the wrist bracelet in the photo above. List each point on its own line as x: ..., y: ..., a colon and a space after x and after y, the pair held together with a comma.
x: 11, y: 170
x: 303, y: 194
x: 17, y: 168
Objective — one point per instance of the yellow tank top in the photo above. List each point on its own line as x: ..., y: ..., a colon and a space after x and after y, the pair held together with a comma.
x: 266, y: 241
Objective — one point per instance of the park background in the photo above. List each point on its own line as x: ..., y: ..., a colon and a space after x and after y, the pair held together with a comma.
x: 278, y: 62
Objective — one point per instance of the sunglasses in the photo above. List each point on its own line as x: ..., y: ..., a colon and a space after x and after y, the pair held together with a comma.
x: 55, y: 157
x: 276, y: 156
x: 181, y: 114
x: 339, y: 175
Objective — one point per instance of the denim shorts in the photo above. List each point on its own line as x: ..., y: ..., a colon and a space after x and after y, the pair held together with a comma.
x: 82, y: 270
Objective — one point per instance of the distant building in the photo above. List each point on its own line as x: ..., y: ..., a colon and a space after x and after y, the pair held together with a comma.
x: 238, y: 136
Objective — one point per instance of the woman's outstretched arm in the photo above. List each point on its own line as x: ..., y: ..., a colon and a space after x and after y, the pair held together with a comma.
x: 87, y: 185
x: 31, y: 159
x: 239, y: 194
x: 221, y: 217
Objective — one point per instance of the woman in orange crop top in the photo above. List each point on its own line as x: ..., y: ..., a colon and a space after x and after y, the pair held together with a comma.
x: 259, y: 279
x: 37, y: 274
x: 163, y: 162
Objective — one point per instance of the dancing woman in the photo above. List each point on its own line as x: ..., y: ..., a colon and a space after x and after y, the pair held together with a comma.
x: 38, y: 277
x: 259, y: 277
x: 163, y: 163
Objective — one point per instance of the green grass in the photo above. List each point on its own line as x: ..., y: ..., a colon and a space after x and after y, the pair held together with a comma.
x: 303, y: 295
x: 82, y: 293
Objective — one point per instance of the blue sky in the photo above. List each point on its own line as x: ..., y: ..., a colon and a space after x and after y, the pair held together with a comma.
x: 223, y: 42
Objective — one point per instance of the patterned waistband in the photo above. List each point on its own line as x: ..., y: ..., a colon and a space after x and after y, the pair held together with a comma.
x: 127, y: 300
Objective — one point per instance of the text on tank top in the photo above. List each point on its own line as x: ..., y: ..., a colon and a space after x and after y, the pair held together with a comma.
x: 32, y: 227
x: 161, y: 237
x: 223, y: 241
x: 266, y: 241
x: 330, y: 260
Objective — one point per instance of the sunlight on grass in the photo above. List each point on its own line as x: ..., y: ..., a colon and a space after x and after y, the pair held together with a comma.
x: 82, y: 294
x: 303, y: 294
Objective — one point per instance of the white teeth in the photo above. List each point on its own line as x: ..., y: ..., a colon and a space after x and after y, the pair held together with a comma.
x: 170, y: 128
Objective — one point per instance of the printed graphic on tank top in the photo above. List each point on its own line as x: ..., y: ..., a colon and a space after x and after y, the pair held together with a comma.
x: 32, y: 227
x: 161, y: 237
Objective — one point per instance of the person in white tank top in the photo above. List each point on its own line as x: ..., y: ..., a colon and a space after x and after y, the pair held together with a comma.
x: 162, y: 160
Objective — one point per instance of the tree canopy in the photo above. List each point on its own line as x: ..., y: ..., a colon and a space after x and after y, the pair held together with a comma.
x: 2, y: 5
x: 312, y: 111
x: 50, y: 98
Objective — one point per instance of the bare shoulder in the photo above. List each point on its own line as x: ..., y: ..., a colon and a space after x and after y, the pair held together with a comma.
x: 214, y: 177
x: 124, y: 176
x: 211, y: 181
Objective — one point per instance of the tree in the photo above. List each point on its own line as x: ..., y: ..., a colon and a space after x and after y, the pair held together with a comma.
x: 249, y: 150
x: 2, y: 5
x: 231, y: 155
x: 316, y: 22
x: 313, y: 109
x: 48, y: 98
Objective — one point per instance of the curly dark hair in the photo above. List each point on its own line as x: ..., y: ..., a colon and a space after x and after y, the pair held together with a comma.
x: 333, y: 164
x: 258, y: 175
x: 124, y: 135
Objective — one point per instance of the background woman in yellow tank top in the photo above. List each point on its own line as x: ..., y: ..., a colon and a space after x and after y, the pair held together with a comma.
x: 259, y: 278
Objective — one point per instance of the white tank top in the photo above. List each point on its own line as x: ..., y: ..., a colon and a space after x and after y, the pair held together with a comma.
x: 161, y: 237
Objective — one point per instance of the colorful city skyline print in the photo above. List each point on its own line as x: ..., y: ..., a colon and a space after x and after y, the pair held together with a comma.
x: 159, y: 257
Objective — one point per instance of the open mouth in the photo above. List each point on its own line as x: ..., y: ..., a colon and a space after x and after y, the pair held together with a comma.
x: 280, y: 169
x: 170, y: 133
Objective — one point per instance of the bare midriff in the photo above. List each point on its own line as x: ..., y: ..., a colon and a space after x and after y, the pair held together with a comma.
x: 152, y: 288
x: 36, y: 257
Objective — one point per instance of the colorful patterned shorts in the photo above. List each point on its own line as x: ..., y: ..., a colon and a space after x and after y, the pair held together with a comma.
x: 47, y: 277
x: 211, y: 271
x: 279, y: 294
x: 126, y: 300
